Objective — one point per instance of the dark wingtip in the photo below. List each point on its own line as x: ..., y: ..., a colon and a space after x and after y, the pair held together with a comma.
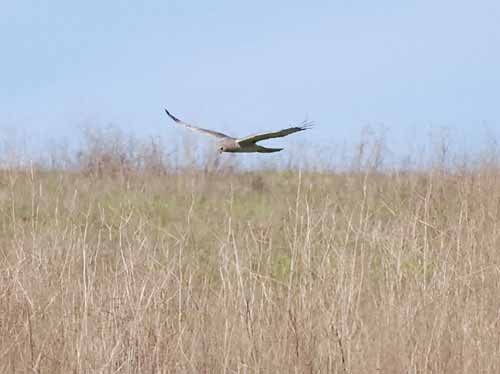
x: 171, y: 116
x: 306, y: 125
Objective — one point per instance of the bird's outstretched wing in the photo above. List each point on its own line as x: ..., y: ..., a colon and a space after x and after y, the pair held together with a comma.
x: 199, y: 129
x: 252, y: 139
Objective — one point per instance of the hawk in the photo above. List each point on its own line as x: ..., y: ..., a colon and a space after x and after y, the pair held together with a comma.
x: 248, y: 144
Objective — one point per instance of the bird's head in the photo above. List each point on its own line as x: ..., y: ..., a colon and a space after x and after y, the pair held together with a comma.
x: 227, y: 145
x: 223, y: 146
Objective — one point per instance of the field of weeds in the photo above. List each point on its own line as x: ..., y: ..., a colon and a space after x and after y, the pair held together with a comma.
x: 129, y: 269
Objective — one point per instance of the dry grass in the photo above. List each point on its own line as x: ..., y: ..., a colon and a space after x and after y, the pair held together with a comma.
x: 139, y: 271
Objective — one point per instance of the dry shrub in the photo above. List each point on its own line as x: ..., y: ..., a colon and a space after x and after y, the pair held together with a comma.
x: 109, y: 152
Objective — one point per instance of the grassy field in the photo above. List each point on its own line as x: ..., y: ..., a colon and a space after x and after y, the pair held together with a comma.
x: 125, y: 270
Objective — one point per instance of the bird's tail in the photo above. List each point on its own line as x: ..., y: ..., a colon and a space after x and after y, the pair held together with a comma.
x: 261, y: 149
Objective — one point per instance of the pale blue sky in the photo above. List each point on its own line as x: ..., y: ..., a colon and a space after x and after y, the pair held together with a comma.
x: 240, y: 67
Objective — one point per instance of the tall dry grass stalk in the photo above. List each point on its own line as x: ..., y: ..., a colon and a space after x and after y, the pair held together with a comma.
x: 138, y: 271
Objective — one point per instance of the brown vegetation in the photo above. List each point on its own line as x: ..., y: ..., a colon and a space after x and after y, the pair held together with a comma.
x: 117, y: 267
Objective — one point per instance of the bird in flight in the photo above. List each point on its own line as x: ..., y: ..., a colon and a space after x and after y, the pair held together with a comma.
x: 248, y: 144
